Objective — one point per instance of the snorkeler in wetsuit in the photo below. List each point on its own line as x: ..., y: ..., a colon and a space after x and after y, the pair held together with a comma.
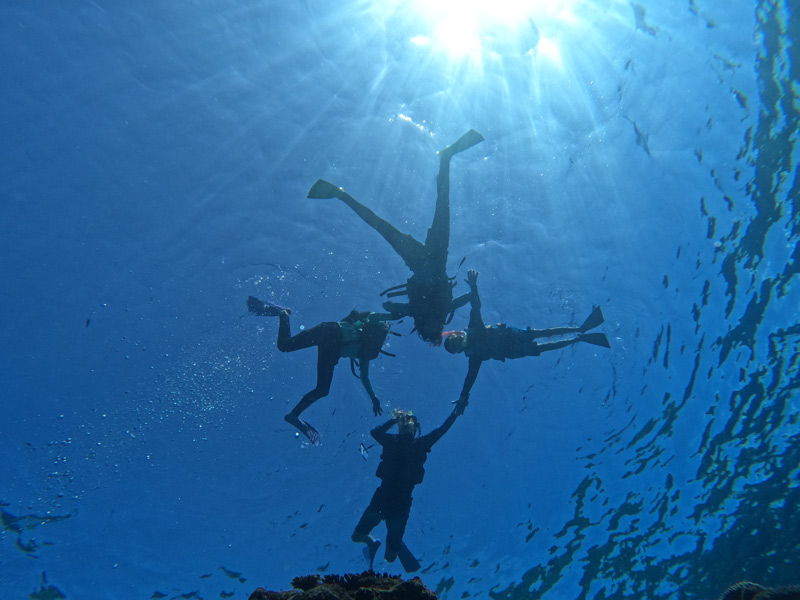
x: 500, y: 342
x: 429, y: 289
x: 401, y: 468
x: 359, y: 336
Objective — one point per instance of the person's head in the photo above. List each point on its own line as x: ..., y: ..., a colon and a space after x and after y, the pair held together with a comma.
x: 455, y: 341
x: 429, y: 329
x: 407, y: 423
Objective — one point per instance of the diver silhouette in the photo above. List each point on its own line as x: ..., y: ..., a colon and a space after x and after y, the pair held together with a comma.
x: 359, y: 336
x: 482, y: 342
x: 429, y: 289
x: 401, y: 468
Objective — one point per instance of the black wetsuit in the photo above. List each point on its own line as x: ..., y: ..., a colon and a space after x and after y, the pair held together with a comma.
x: 332, y: 344
x: 401, y: 468
x: 429, y: 289
x: 501, y: 342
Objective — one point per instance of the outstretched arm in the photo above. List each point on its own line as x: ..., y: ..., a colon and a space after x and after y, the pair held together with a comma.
x: 475, y: 319
x: 435, y: 435
x: 460, y: 301
x: 364, y: 376
x: 472, y: 375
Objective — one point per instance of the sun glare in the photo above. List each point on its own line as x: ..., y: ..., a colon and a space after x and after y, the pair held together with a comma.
x: 548, y: 48
x: 473, y: 28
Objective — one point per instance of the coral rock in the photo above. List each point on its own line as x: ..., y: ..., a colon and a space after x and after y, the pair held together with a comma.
x: 747, y: 590
x: 366, y: 586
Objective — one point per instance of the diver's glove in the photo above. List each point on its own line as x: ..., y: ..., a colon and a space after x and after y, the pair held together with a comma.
x: 376, y: 407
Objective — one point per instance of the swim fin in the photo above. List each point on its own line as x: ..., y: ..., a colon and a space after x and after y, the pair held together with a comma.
x: 311, y: 433
x: 324, y: 189
x: 596, y: 339
x: 410, y: 564
x: 465, y: 142
x: 593, y: 320
x: 263, y: 308
x: 370, y: 551
x: 304, y: 427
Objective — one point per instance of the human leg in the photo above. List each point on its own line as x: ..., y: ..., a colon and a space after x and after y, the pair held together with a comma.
x: 409, y: 249
x: 369, y: 520
x: 438, y: 238
x: 396, y: 547
x: 596, y: 339
x: 328, y: 339
x: 325, y: 366
x: 396, y: 508
x: 315, y: 336
x: 595, y: 319
x: 395, y: 529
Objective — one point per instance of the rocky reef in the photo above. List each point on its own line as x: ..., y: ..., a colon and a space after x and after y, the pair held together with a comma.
x: 747, y: 590
x: 372, y: 586
x: 366, y: 586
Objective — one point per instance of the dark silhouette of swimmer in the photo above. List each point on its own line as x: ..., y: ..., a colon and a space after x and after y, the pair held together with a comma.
x: 429, y: 289
x: 359, y: 336
x: 499, y: 342
x: 401, y: 468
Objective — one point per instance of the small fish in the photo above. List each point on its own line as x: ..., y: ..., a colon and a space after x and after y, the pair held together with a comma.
x: 363, y: 450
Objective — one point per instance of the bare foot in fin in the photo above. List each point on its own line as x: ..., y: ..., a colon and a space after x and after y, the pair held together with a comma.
x: 303, y: 427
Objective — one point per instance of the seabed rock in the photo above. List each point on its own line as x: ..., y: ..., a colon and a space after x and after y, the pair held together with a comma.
x: 366, y: 586
x: 747, y: 590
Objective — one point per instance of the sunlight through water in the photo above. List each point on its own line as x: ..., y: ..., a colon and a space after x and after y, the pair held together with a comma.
x: 637, y: 156
x: 553, y: 65
x: 474, y: 30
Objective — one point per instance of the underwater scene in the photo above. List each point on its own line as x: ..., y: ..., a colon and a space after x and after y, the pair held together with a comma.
x: 255, y: 255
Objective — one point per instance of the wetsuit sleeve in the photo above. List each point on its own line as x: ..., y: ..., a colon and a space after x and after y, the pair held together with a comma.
x: 397, y: 310
x: 381, y: 317
x: 475, y: 318
x: 380, y: 432
x: 472, y: 375
x: 364, y: 376
x: 435, y: 435
x: 460, y: 301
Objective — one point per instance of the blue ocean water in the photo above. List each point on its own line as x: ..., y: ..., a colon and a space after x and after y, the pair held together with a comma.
x: 154, y: 170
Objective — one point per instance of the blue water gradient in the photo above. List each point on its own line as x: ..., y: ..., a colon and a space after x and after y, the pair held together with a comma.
x: 154, y: 170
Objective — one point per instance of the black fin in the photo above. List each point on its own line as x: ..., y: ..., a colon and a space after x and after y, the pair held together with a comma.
x: 596, y: 339
x: 593, y: 320
x: 409, y: 562
x: 465, y: 142
x: 324, y: 189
